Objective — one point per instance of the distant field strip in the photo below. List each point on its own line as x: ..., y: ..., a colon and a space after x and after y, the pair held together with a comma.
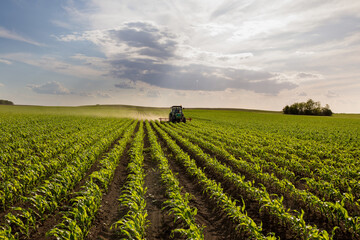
x: 241, y: 176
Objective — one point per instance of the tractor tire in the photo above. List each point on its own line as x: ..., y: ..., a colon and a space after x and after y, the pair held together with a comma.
x: 171, y: 119
x: 184, y: 120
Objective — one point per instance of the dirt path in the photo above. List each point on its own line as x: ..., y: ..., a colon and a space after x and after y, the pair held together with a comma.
x: 108, y: 212
x: 161, y: 224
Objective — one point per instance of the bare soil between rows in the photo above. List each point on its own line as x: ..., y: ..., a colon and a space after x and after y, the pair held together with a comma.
x: 56, y: 217
x: 216, y: 224
x: 161, y: 223
x: 269, y: 223
x: 108, y: 212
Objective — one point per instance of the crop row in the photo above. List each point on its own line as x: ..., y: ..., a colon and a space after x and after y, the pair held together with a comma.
x: 133, y: 224
x: 273, y: 205
x: 78, y: 219
x: 236, y: 213
x: 263, y: 171
x: 331, y: 210
x: 177, y: 203
x: 46, y: 198
x: 336, y: 166
x: 291, y: 168
x: 334, y: 212
x: 15, y: 188
x: 43, y: 139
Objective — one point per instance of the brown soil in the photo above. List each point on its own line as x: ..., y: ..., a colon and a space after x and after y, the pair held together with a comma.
x: 161, y: 224
x: 217, y: 225
x: 108, y: 212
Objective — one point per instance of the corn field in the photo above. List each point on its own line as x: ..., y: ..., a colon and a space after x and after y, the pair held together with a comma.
x: 252, y: 176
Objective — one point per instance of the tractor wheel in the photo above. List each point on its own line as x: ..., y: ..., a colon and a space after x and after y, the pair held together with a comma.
x: 171, y: 119
x: 184, y: 120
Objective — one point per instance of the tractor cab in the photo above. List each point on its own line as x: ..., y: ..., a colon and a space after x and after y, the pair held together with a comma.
x: 176, y: 114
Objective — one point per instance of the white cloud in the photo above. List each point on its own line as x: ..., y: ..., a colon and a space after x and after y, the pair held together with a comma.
x: 194, y: 55
x: 91, y: 68
x: 103, y: 95
x: 54, y: 88
x: 96, y: 94
x: 4, y: 33
x: 153, y: 94
x: 181, y: 94
x: 5, y: 61
x: 331, y: 94
x: 141, y: 51
x: 301, y: 53
x: 62, y: 24
x: 296, y: 77
x: 126, y: 85
x: 303, y: 75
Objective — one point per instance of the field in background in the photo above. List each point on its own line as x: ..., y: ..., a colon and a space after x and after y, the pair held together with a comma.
x: 151, y: 113
x: 117, y: 111
x: 95, y: 172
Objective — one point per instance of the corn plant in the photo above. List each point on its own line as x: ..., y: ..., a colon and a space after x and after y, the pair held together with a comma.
x: 54, y: 190
x: 78, y: 219
x: 337, y: 210
x: 35, y: 173
x: 258, y: 195
x: 23, y: 220
x: 177, y: 203
x: 133, y: 224
x: 236, y: 213
x: 5, y: 233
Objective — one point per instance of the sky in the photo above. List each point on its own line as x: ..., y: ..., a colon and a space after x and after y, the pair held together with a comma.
x: 252, y: 54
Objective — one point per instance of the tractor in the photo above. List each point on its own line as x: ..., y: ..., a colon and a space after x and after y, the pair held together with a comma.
x: 176, y: 114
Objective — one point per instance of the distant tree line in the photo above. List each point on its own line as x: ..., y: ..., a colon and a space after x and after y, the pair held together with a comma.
x: 308, y: 108
x: 5, y: 102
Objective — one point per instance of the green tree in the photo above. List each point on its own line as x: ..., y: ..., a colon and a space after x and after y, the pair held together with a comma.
x: 5, y: 102
x: 308, y: 108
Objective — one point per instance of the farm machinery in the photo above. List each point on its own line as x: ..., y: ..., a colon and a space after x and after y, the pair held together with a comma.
x: 176, y: 115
